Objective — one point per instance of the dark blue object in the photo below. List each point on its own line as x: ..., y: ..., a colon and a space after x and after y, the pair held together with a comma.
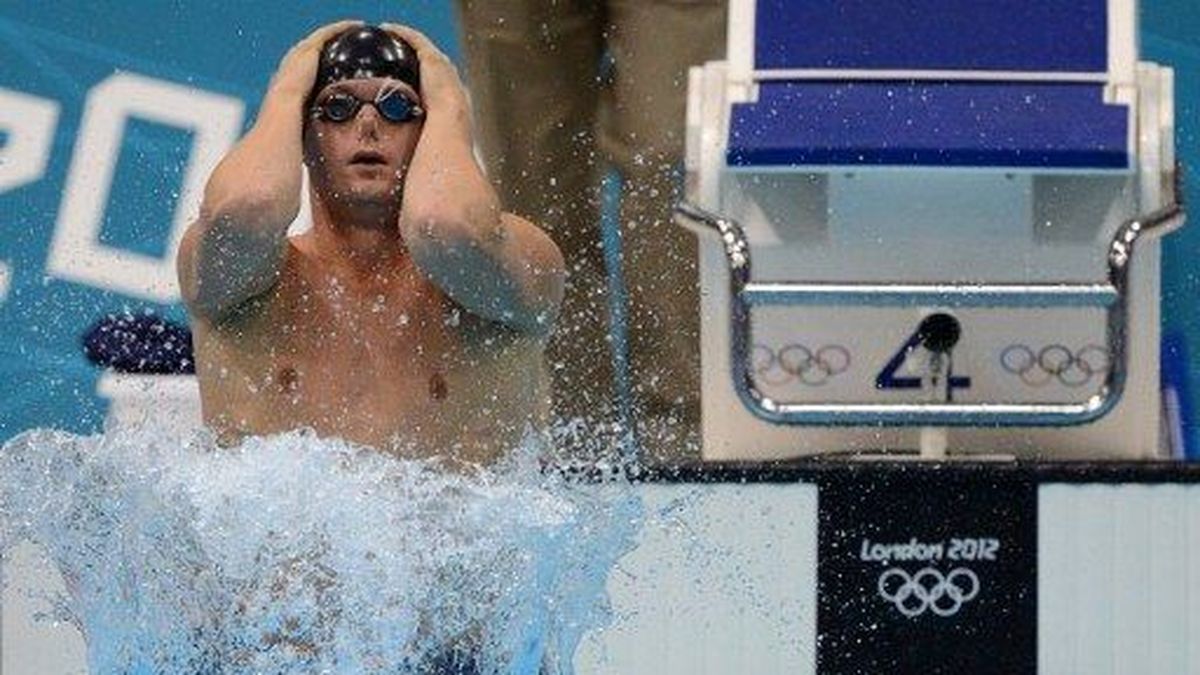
x: 1017, y: 125
x: 140, y: 343
x: 366, y: 51
x: 990, y: 35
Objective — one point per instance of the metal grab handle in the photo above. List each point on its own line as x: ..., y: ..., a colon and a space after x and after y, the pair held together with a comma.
x: 1113, y: 296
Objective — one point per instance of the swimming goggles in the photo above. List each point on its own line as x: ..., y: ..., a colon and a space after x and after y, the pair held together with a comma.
x: 392, y: 104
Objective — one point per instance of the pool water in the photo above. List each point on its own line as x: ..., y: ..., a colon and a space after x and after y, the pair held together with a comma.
x: 297, y: 554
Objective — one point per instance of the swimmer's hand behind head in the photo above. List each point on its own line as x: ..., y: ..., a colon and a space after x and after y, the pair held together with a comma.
x: 298, y: 69
x: 442, y: 91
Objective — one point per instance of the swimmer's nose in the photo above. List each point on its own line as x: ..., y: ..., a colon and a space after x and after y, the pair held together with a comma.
x: 368, y: 123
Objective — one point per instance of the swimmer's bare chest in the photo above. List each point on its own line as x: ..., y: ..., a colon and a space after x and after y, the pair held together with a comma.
x: 385, y: 362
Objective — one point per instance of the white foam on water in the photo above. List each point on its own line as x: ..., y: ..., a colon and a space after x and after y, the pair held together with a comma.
x: 298, y: 554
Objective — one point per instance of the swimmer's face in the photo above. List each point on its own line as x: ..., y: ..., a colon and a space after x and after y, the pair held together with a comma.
x: 361, y: 160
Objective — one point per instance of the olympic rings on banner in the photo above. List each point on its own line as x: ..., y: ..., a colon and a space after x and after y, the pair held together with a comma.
x: 797, y: 363
x: 1055, y: 362
x: 928, y: 590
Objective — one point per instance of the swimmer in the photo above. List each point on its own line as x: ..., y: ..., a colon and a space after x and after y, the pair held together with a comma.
x: 412, y: 317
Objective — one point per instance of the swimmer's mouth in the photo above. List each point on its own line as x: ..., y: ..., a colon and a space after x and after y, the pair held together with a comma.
x: 369, y: 158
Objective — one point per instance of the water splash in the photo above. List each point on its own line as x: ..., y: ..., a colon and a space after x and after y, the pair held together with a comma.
x: 295, y: 554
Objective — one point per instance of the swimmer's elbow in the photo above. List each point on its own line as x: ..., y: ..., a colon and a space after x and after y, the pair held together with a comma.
x: 540, y: 325
x: 541, y: 271
x: 544, y: 321
x: 202, y: 297
x: 543, y: 296
x: 224, y: 261
x: 528, y: 304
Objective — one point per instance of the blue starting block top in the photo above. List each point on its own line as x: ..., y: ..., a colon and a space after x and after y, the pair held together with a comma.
x: 1030, y: 125
x: 995, y: 84
x: 1046, y: 36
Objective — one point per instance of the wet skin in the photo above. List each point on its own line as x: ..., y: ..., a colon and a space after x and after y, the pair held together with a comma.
x: 353, y: 339
x: 389, y: 362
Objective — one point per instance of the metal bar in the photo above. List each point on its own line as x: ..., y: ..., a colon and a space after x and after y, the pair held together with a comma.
x: 924, y: 414
x: 927, y: 295
x: 1113, y: 296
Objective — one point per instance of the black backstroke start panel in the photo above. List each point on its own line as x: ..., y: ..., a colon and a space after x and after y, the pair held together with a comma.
x: 917, y: 571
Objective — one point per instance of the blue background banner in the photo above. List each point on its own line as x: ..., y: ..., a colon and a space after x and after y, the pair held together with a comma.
x: 111, y: 117
x: 189, y: 77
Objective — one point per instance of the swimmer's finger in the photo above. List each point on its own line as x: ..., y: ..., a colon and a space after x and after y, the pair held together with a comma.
x: 409, y: 34
x: 298, y: 68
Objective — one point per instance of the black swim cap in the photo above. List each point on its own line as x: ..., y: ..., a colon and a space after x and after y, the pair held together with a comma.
x: 366, y: 51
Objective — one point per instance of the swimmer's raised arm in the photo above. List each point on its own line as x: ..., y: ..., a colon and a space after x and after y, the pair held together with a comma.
x: 494, y: 264
x: 235, y: 250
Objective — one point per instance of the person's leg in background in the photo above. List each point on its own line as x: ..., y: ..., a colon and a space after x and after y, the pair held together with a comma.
x: 653, y: 43
x: 532, y: 72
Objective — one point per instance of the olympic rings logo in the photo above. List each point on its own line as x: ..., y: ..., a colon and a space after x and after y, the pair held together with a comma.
x: 928, y: 590
x: 1055, y: 362
x: 795, y: 362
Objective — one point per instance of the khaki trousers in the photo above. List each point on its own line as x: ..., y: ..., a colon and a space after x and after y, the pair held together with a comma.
x: 564, y: 91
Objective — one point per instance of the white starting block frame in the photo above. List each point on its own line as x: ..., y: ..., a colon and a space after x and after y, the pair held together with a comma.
x: 877, y: 180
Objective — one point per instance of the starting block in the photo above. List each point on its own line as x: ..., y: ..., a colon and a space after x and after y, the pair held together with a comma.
x: 931, y: 227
